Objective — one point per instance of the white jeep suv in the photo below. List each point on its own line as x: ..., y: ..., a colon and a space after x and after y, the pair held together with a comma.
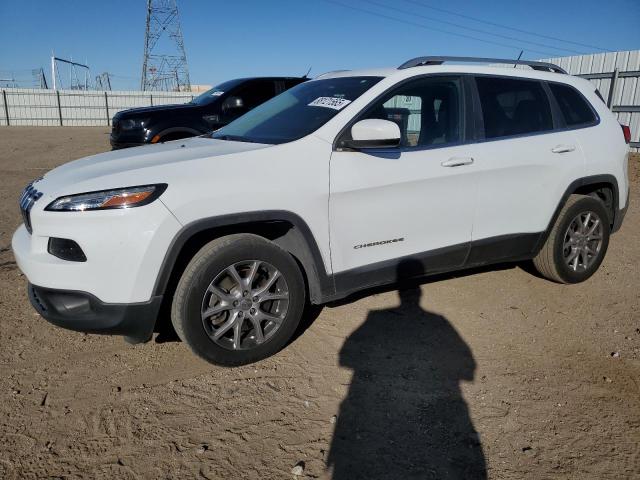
x: 329, y: 188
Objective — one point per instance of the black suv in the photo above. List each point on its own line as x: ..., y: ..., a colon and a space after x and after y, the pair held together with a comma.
x: 209, y: 111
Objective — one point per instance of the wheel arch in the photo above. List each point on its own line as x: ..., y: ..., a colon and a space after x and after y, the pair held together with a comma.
x: 190, y: 132
x: 584, y: 186
x: 285, y: 229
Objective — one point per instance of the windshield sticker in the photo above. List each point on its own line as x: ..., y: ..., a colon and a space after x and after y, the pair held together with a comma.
x: 330, y: 102
x: 217, y: 93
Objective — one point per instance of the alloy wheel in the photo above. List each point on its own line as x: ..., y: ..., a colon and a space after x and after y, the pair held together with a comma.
x: 245, y: 305
x: 583, y: 241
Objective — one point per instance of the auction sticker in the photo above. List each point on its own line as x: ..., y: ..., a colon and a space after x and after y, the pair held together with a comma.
x: 330, y: 102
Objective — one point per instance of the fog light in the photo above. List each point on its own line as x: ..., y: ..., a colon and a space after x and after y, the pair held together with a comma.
x: 66, y: 250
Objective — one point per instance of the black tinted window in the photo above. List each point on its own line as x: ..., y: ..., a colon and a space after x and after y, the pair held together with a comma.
x: 513, y: 107
x: 574, y: 107
x: 426, y: 110
x: 296, y: 112
x: 255, y: 92
x: 216, y: 92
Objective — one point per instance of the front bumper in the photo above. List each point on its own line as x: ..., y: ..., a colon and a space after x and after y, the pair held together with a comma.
x: 128, y: 138
x: 117, y: 143
x: 84, y: 312
x: 124, y: 250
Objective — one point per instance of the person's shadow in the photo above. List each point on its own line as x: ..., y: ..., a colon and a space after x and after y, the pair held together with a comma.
x: 404, y: 415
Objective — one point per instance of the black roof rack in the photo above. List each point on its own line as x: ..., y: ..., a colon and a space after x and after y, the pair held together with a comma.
x: 422, y: 61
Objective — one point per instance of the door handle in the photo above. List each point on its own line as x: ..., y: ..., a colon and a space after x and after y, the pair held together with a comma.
x: 457, y: 162
x: 563, y: 148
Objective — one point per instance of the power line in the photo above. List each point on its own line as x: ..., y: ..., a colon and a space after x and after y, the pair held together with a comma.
x: 494, y: 24
x: 434, y: 29
x: 507, y: 37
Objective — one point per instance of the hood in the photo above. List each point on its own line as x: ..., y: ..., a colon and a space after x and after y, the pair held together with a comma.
x: 140, y: 111
x: 135, y: 166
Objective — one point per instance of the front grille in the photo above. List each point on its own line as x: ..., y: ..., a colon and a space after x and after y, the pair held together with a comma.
x: 28, y: 198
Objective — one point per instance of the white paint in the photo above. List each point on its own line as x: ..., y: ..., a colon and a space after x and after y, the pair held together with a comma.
x: 500, y: 187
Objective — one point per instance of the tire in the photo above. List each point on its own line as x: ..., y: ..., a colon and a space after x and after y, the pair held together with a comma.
x: 208, y: 284
x: 557, y: 259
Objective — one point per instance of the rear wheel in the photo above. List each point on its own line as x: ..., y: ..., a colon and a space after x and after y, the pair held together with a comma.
x: 577, y: 242
x: 239, y: 300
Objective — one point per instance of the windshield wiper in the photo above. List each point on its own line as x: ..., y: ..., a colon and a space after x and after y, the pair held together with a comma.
x: 230, y: 138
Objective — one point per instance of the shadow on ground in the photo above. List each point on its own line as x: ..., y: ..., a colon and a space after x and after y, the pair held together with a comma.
x: 404, y: 415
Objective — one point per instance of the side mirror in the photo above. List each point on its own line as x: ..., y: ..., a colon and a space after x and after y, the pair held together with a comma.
x: 232, y: 103
x: 374, y: 133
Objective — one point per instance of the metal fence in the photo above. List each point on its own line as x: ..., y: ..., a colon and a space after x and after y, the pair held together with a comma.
x: 617, y: 77
x: 615, y: 74
x: 39, y: 107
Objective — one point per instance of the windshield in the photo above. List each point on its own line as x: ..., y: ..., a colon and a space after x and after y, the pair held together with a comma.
x: 214, y: 93
x: 296, y: 112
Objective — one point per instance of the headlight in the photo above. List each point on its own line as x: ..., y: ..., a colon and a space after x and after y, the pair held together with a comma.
x: 108, y: 199
x: 133, y: 123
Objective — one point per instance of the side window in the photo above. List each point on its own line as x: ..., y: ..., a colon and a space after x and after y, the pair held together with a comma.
x: 256, y: 92
x: 426, y: 110
x: 280, y: 86
x: 513, y: 106
x: 574, y: 107
x: 252, y: 93
x: 289, y: 83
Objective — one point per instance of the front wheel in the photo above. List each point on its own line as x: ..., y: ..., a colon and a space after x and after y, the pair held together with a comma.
x: 577, y: 242
x: 239, y: 300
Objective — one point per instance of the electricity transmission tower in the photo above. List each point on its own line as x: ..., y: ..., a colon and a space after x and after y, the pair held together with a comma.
x: 165, y: 62
x: 103, y: 81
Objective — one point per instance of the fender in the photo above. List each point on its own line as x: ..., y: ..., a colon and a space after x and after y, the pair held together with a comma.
x: 573, y: 186
x: 167, y: 131
x: 299, y: 241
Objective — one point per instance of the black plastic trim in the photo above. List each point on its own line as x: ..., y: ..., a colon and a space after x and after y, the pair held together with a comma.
x: 325, y: 287
x: 320, y: 282
x: 620, y: 214
x: 504, y: 248
x: 573, y: 186
x: 167, y: 131
x: 84, y: 312
x: 373, y: 144
x: 386, y: 272
x: 66, y: 249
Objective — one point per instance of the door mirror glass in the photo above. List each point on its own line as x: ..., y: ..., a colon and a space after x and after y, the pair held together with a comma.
x: 374, y: 133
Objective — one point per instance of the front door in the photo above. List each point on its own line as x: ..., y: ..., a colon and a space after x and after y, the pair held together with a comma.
x: 415, y: 200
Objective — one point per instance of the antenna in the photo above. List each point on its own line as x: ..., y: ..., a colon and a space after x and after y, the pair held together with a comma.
x: 164, y: 66
x: 519, y: 57
x: 306, y: 75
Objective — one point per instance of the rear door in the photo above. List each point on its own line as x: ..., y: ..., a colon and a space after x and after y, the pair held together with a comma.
x: 525, y: 163
x: 417, y: 199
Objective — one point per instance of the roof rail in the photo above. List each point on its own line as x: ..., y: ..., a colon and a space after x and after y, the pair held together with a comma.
x: 421, y: 61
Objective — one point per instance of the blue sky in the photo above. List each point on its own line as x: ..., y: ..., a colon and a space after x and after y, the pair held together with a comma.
x: 225, y: 40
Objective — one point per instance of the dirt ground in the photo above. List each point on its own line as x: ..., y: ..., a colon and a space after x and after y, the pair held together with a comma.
x: 492, y: 370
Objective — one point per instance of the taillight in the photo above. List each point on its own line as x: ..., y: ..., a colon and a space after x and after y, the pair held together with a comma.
x: 626, y: 131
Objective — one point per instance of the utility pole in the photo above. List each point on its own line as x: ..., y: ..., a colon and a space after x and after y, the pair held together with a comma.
x: 164, y: 54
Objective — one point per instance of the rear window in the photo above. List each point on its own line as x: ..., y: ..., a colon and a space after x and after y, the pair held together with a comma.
x: 574, y: 107
x: 513, y: 107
